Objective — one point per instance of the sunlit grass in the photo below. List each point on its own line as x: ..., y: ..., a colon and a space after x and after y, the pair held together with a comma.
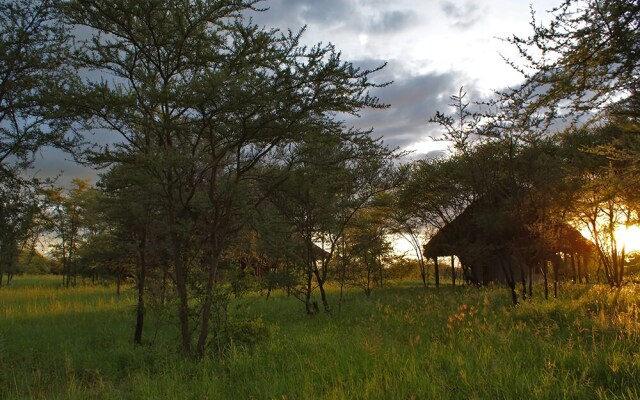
x: 42, y: 296
x: 402, y: 342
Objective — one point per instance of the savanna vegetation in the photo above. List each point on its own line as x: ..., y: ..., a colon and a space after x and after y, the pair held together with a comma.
x: 401, y: 342
x: 239, y: 241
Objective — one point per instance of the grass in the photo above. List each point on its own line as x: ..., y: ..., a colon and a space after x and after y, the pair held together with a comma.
x: 402, y: 342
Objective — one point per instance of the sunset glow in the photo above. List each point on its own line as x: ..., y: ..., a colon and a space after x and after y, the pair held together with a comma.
x: 627, y: 236
x: 630, y: 237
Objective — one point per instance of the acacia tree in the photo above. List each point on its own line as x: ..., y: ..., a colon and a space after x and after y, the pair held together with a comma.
x: 332, y: 178
x: 200, y: 97
x: 434, y: 193
x: 599, y: 193
x: 584, y: 65
x: 19, y: 224
x: 587, y: 56
x: 137, y: 234
x: 464, y: 127
x: 365, y: 250
x: 68, y: 213
x: 34, y: 72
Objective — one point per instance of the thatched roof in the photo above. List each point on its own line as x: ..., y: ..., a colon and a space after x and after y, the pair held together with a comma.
x: 488, y: 229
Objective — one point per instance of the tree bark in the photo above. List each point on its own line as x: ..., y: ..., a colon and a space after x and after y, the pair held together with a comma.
x: 508, y: 275
x: 524, y: 282
x: 436, y: 272
x: 423, y: 272
x: 530, y: 281
x: 453, y: 272
x: 307, y: 302
x: 323, y: 293
x: 579, y: 266
x: 556, y: 267
x: 544, y: 268
x: 208, y: 302
x: 181, y: 288
x: 140, y: 306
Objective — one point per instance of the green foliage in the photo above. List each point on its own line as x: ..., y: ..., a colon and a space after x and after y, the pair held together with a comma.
x: 19, y: 223
x: 585, y: 58
x: 72, y: 220
x: 204, y: 101
x: 232, y: 336
x: 403, y: 269
x: 32, y: 262
x: 34, y: 72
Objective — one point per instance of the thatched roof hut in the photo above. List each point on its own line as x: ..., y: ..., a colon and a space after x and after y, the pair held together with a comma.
x: 495, y: 243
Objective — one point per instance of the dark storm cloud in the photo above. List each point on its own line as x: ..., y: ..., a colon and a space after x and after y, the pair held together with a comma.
x: 392, y: 21
x: 463, y: 15
x: 328, y: 12
x: 340, y: 14
x: 295, y: 13
x: 57, y: 165
x: 412, y: 99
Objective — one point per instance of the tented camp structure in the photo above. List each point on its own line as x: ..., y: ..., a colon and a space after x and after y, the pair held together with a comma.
x: 495, y: 243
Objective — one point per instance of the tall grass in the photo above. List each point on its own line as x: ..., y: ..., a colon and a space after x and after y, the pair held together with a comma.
x: 402, y: 342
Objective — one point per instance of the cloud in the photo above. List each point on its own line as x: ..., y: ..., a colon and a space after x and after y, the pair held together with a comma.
x: 295, y: 13
x: 392, y: 21
x: 51, y: 163
x: 342, y: 15
x: 412, y: 100
x: 464, y: 15
x: 328, y: 12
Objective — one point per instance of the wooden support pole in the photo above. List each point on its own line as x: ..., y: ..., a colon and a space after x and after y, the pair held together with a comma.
x: 453, y: 272
x: 436, y: 271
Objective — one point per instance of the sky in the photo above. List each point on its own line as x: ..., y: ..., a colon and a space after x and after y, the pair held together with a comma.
x: 431, y: 47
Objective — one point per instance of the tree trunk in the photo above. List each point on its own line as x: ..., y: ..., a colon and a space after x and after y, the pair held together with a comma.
x: 579, y: 268
x: 621, y: 267
x: 508, y: 275
x: 545, y: 271
x: 118, y: 280
x: 380, y: 273
x: 208, y: 301
x: 423, y: 272
x: 181, y: 288
x: 530, y: 281
x: 574, y: 271
x: 286, y: 272
x: 323, y: 293
x: 343, y: 274
x: 163, y: 289
x: 307, y: 302
x: 453, y: 272
x: 585, y: 269
x: 140, y: 306
x: 524, y: 282
x: 436, y: 272
x: 556, y: 267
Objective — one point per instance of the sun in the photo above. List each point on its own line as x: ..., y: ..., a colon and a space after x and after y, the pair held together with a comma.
x: 629, y: 236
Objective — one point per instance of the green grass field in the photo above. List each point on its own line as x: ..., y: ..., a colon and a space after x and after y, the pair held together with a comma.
x: 402, y: 343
